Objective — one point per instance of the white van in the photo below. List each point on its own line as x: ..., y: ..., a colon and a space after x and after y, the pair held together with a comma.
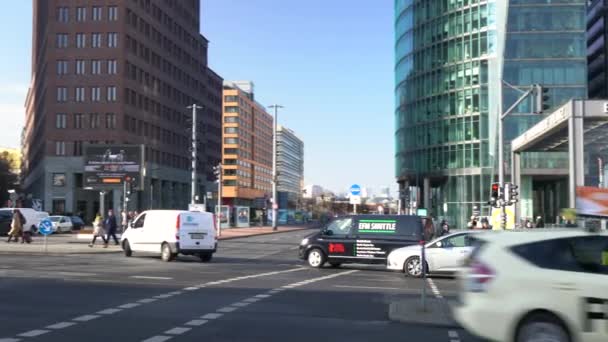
x: 171, y: 232
x: 32, y: 217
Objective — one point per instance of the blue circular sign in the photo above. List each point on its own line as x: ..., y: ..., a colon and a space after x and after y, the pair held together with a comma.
x: 355, y: 190
x: 45, y: 227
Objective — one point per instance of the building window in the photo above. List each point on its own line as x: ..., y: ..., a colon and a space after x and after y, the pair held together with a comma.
x: 231, y: 141
x: 59, y: 179
x: 232, y: 109
x: 62, y: 94
x: 61, y: 121
x: 112, y: 39
x: 97, y: 13
x: 62, y: 67
x: 58, y: 206
x: 78, y: 121
x: 111, y: 94
x: 231, y: 130
x: 113, y: 13
x: 60, y: 148
x: 96, y: 40
x: 61, y: 40
x: 80, y: 67
x: 94, y: 120
x: 111, y: 120
x: 63, y: 14
x: 80, y: 95
x: 112, y: 67
x: 77, y: 148
x: 81, y: 14
x: 95, y: 67
x: 96, y: 94
x: 81, y: 40
x: 231, y: 119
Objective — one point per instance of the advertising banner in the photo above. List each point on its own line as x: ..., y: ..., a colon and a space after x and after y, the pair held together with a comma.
x: 111, y: 165
x: 224, y: 216
x: 242, y: 217
x: 591, y: 201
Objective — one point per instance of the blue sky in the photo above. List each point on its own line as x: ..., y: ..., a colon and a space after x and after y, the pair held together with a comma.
x: 330, y: 63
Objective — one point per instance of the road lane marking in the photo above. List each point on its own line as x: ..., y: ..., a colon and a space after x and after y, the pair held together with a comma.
x: 175, y: 293
x: 212, y: 316
x: 177, y: 331
x: 197, y: 322
x: 368, y: 287
x: 61, y: 325
x: 193, y: 288
x: 240, y: 304
x: 147, y: 300
x: 85, y: 318
x: 261, y: 296
x: 151, y: 277
x: 453, y: 334
x: 227, y: 309
x: 434, y: 289
x: 108, y: 311
x: 251, y: 300
x: 10, y: 339
x: 158, y: 339
x: 34, y: 333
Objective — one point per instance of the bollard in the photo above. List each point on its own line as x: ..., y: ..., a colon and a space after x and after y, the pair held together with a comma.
x: 423, y: 268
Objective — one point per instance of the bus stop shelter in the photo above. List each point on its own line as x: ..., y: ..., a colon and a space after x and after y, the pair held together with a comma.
x: 576, y: 126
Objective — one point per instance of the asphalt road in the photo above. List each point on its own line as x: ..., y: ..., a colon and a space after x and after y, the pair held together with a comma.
x: 255, y: 289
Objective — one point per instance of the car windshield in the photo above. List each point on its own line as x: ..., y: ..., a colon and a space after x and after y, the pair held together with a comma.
x: 55, y: 218
x: 76, y: 219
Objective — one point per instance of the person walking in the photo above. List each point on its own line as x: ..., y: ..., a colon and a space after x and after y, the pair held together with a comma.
x: 540, y: 223
x: 110, y: 225
x: 16, y: 226
x: 98, y: 231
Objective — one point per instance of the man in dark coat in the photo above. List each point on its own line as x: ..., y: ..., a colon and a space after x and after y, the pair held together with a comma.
x: 110, y: 225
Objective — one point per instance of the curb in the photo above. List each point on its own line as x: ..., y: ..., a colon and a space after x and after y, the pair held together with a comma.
x: 261, y: 234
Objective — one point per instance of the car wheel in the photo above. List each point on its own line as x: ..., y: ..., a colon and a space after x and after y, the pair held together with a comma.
x: 413, y: 267
x: 316, y: 258
x: 542, y: 327
x: 126, y: 247
x: 206, y: 257
x: 165, y: 253
x: 335, y: 264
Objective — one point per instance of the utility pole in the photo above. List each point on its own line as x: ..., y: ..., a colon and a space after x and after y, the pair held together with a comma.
x: 275, y: 202
x: 217, y: 170
x: 194, y: 107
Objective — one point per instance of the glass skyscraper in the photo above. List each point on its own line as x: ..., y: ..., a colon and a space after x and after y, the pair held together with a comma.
x: 451, y: 58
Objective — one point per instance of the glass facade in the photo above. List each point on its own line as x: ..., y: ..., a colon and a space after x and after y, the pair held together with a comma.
x: 451, y: 56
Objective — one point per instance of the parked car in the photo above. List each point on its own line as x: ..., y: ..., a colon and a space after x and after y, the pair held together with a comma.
x: 445, y: 254
x: 77, y: 223
x: 366, y: 239
x: 61, y: 224
x: 541, y: 285
x: 6, y: 217
x: 171, y: 232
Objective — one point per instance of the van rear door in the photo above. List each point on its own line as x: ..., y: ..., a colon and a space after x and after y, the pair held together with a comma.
x: 196, y: 231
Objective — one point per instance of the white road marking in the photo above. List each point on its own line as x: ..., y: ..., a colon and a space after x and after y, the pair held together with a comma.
x: 129, y: 305
x: 175, y: 293
x: 453, y: 334
x: 434, y: 289
x: 108, y: 311
x: 368, y: 287
x: 251, y: 300
x: 34, y: 333
x: 85, y: 318
x: 240, y: 304
x: 158, y: 339
x: 147, y: 300
x: 151, y: 278
x: 212, y: 316
x: 262, y: 296
x: 227, y: 309
x: 61, y: 325
x: 197, y: 322
x: 163, y: 296
x: 177, y: 331
x: 10, y: 339
x: 193, y: 288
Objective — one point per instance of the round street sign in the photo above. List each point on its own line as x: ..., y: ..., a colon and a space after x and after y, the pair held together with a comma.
x: 45, y: 227
x: 355, y: 190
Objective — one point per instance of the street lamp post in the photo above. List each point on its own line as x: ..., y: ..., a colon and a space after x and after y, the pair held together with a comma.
x: 275, y: 202
x: 194, y: 107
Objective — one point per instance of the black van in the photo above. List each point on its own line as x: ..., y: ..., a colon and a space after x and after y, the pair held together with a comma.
x: 364, y: 239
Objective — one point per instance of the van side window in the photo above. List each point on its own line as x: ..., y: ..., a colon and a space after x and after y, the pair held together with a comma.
x: 140, y: 221
x: 340, y: 227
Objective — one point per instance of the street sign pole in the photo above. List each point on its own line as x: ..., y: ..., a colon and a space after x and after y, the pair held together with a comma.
x: 45, y: 228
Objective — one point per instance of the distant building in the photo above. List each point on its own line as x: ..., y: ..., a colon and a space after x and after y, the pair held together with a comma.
x: 246, y: 147
x: 597, y: 49
x: 312, y: 191
x: 290, y: 167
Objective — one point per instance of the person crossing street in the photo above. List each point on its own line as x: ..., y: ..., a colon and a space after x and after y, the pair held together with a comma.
x: 110, y: 225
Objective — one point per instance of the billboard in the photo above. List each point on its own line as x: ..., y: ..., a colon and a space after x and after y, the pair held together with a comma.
x: 591, y: 201
x: 110, y: 165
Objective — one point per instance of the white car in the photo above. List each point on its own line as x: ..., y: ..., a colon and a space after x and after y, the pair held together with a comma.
x: 171, y: 232
x: 444, y: 254
x: 32, y: 217
x: 539, y: 285
x: 61, y: 224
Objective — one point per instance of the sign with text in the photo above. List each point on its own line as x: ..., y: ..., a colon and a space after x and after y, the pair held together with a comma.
x: 111, y: 165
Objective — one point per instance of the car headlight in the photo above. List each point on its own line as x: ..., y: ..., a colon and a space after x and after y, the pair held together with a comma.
x: 304, y: 242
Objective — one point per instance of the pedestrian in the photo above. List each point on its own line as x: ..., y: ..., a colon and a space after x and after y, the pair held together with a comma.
x: 98, y: 231
x: 16, y: 226
x: 485, y: 224
x: 124, y: 220
x: 473, y: 223
x: 110, y: 226
x: 445, y: 228
x: 540, y: 223
x: 528, y: 224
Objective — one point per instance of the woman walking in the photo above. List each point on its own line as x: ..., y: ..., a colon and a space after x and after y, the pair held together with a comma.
x: 16, y: 226
x: 98, y: 231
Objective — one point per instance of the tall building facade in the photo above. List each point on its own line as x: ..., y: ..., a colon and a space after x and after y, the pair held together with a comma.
x: 247, y: 147
x: 290, y: 167
x: 451, y: 60
x: 597, y: 33
x: 118, y: 72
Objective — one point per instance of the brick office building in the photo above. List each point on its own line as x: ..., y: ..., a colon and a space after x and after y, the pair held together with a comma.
x: 118, y: 72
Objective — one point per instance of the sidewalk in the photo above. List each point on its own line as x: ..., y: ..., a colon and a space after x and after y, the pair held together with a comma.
x: 65, y: 244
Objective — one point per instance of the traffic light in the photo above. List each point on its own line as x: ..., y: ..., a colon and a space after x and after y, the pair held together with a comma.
x: 542, y: 99
x: 511, y: 194
x: 217, y: 170
x: 495, y: 194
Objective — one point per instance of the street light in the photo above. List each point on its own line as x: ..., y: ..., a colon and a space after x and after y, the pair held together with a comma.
x: 275, y: 202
